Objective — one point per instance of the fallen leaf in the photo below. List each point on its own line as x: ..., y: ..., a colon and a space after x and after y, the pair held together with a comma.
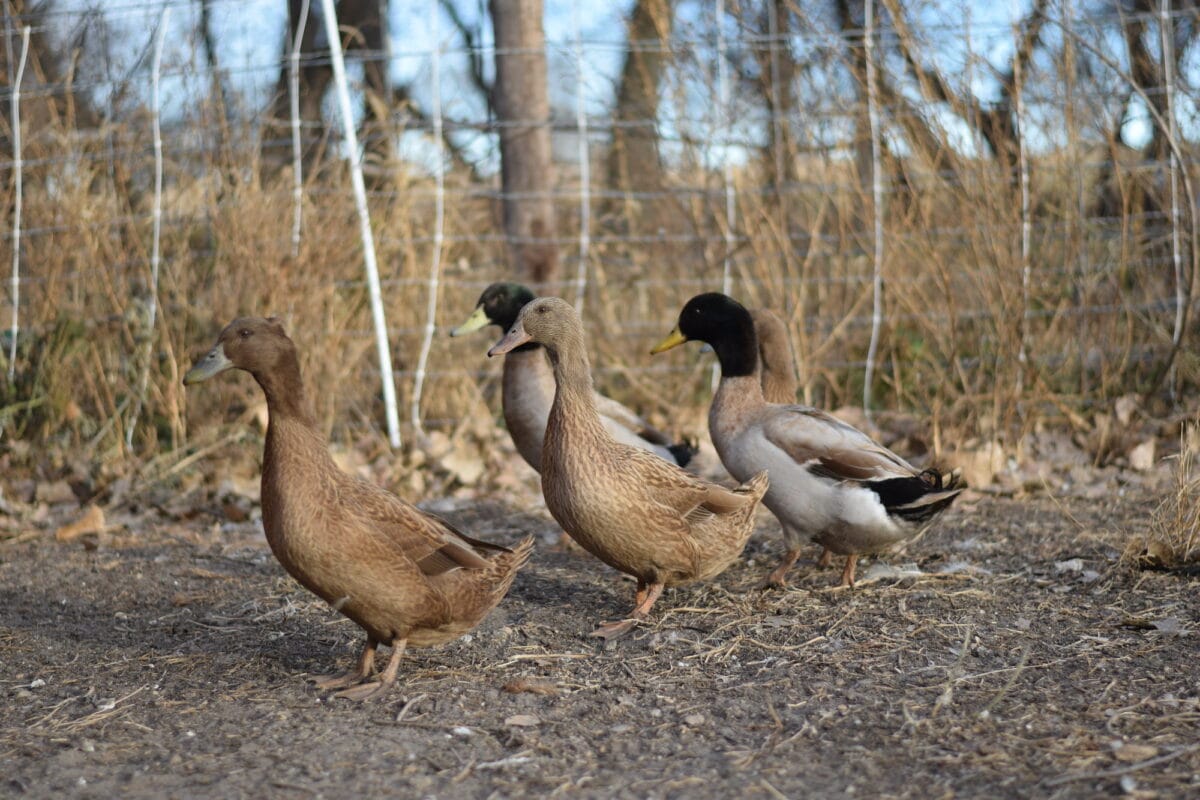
x: 1141, y: 457
x: 1130, y: 753
x: 523, y: 721
x: 1124, y: 407
x: 92, y: 521
x: 55, y: 493
x: 530, y: 685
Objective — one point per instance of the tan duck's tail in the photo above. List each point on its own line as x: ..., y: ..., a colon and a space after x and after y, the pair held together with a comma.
x: 504, y: 567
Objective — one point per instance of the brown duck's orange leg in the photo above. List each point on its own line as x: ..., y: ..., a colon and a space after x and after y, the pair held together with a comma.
x: 366, y: 663
x: 778, y: 577
x: 826, y: 559
x: 375, y: 689
x: 848, y: 571
x: 647, y: 595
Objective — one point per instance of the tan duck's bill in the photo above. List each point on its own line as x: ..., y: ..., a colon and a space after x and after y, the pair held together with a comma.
x: 511, y: 341
x: 477, y: 321
x: 212, y: 364
x: 674, y: 339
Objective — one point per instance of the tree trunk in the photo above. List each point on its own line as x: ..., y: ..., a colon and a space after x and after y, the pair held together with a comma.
x: 633, y: 162
x: 523, y: 112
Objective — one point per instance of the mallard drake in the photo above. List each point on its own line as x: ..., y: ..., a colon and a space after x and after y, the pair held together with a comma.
x: 829, y: 481
x: 403, y: 575
x: 528, y: 387
x: 635, y: 512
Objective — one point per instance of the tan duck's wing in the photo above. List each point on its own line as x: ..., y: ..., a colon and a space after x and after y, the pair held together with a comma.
x: 825, y: 445
x: 686, y: 494
x: 434, y: 544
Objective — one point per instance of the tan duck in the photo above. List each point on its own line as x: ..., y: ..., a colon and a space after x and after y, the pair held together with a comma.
x: 528, y: 387
x: 406, y: 577
x: 829, y: 481
x: 779, y: 385
x: 635, y: 512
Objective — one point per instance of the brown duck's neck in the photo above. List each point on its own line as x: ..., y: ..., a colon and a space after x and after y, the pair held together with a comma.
x: 574, y: 396
x: 284, y: 388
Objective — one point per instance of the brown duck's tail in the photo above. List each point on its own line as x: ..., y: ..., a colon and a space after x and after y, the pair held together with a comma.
x: 756, y: 487
x: 505, y: 566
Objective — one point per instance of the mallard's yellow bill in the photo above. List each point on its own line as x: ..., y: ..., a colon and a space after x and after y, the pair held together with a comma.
x: 477, y: 321
x: 674, y: 339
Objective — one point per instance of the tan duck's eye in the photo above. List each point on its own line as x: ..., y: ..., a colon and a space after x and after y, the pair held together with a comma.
x: 541, y: 309
x: 245, y: 333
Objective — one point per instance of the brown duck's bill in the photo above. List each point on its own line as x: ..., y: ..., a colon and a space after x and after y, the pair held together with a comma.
x: 477, y: 321
x: 212, y: 364
x: 674, y: 339
x: 511, y: 341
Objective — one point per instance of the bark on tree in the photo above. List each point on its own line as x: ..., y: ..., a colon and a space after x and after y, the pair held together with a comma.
x: 633, y: 161
x: 522, y: 103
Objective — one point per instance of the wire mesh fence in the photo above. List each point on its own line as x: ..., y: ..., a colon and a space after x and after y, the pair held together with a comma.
x: 982, y: 215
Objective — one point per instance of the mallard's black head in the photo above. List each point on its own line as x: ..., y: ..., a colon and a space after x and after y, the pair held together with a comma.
x: 723, y: 323
x: 499, y: 304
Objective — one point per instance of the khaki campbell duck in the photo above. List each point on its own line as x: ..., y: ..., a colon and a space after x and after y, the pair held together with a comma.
x: 404, y: 576
x: 829, y: 481
x: 637, y: 513
x: 528, y: 387
x: 779, y: 385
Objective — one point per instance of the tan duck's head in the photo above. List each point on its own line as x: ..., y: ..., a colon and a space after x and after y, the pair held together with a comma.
x: 257, y: 345
x: 718, y: 320
x: 499, y: 304
x: 548, y: 321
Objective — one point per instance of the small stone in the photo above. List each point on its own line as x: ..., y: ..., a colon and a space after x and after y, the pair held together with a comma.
x: 693, y: 720
x: 523, y: 721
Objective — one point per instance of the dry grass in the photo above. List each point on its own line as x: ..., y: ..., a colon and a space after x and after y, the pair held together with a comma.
x: 954, y: 293
x: 1173, y: 539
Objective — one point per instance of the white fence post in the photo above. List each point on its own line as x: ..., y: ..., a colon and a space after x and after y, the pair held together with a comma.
x: 1166, y: 33
x: 727, y: 171
x: 435, y: 267
x: 18, y: 167
x: 156, y: 217
x: 294, y: 103
x: 585, y: 168
x: 877, y: 207
x: 364, y: 218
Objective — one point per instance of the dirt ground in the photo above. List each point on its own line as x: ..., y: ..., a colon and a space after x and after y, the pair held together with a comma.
x: 169, y: 657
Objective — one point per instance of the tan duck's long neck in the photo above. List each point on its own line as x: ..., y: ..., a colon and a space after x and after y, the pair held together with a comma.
x: 574, y: 397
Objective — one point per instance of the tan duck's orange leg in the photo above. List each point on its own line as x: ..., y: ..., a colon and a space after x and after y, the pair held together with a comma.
x: 778, y: 577
x: 647, y: 595
x: 848, y: 571
x: 375, y: 689
x: 366, y: 663
x: 826, y: 559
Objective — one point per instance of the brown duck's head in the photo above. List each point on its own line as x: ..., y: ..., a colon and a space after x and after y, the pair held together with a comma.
x: 547, y: 321
x: 256, y: 344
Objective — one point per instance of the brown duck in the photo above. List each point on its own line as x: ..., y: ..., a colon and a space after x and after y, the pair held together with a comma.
x: 634, y: 511
x: 406, y: 577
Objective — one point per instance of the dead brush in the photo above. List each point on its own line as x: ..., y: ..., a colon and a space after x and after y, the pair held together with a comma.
x: 1173, y: 540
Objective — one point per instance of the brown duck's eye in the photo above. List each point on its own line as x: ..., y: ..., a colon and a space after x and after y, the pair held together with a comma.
x: 541, y: 309
x: 245, y: 333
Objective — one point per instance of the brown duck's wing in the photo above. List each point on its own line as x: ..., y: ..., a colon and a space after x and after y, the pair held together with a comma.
x: 826, y: 445
x: 434, y: 544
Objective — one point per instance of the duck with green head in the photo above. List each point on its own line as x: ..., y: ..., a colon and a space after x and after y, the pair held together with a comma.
x: 528, y: 387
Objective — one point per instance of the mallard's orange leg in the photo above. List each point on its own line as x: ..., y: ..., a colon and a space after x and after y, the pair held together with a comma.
x: 647, y: 595
x: 372, y: 689
x: 778, y: 577
x: 366, y: 662
x: 826, y: 559
x: 848, y: 571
